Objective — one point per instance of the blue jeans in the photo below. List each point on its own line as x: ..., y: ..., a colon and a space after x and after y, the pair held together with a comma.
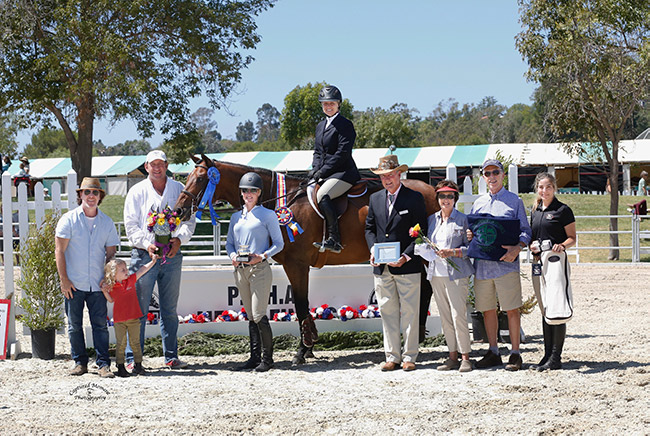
x: 168, y: 277
x: 74, y: 309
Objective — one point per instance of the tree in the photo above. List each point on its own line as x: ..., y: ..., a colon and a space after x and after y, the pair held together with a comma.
x: 593, y: 62
x: 302, y: 112
x: 379, y: 128
x: 8, y: 130
x: 206, y: 127
x: 47, y: 142
x: 77, y: 61
x: 132, y: 147
x: 245, y: 131
x: 268, y: 123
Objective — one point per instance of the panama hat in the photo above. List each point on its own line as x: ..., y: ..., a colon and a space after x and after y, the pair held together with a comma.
x: 388, y: 164
x: 91, y: 183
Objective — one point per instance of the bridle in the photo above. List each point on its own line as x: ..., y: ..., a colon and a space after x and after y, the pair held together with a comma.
x: 196, y: 197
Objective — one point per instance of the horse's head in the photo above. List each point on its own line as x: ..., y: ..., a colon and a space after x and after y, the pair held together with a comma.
x: 197, y: 181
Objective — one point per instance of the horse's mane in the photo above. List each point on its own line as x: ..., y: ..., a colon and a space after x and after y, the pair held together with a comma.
x: 261, y: 171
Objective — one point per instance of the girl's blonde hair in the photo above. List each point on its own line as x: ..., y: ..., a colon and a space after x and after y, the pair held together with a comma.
x: 541, y: 176
x: 110, y: 271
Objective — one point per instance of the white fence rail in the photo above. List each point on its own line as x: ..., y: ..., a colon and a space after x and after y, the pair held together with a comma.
x: 22, y: 207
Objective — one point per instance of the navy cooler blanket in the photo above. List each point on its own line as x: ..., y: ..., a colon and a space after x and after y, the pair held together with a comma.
x: 490, y: 233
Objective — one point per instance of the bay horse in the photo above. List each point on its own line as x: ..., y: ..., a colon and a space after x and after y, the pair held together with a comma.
x: 296, y: 257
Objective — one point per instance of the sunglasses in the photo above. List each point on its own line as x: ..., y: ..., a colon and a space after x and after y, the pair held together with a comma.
x: 491, y: 173
x: 446, y: 196
x: 249, y: 190
x: 95, y: 192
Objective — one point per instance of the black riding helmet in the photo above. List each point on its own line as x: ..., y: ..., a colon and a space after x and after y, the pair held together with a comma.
x: 251, y: 180
x: 330, y: 93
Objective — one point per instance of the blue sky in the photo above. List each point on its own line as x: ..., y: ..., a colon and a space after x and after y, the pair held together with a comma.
x: 378, y: 52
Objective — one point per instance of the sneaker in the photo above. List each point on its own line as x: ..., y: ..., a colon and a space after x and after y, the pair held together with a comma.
x: 79, y: 369
x: 449, y: 364
x: 465, y: 366
x: 105, y: 372
x: 514, y: 362
x: 489, y: 360
x: 176, y: 363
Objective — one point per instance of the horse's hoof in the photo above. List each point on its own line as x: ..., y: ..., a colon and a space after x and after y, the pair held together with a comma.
x: 297, y: 360
x: 309, y: 354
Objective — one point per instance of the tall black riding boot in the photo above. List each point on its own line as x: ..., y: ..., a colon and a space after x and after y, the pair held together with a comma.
x: 266, y: 336
x: 256, y: 347
x: 333, y: 242
x: 555, y: 361
x: 547, y: 330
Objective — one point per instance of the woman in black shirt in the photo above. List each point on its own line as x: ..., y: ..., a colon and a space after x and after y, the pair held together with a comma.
x: 550, y: 220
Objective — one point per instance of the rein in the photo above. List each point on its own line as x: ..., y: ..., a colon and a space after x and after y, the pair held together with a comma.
x: 196, y: 197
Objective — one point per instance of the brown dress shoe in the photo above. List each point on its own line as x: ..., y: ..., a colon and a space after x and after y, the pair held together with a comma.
x: 408, y: 366
x: 389, y: 366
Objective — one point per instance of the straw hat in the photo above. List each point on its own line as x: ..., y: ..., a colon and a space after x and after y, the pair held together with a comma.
x: 91, y: 183
x: 388, y: 164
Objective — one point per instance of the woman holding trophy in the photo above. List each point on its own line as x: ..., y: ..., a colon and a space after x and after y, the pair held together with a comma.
x: 253, y: 237
x: 554, y: 230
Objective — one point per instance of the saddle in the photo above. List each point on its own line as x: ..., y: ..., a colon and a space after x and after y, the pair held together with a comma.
x: 341, y: 202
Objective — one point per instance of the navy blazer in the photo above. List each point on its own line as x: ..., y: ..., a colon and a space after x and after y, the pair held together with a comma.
x: 408, y: 210
x: 333, y: 150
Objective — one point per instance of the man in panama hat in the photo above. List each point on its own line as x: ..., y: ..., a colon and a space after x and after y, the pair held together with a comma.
x: 391, y: 213
x: 86, y: 239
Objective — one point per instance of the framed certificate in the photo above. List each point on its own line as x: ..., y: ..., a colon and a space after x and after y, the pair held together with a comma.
x: 386, y: 252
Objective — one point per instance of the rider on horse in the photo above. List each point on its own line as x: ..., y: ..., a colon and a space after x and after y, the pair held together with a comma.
x: 333, y: 167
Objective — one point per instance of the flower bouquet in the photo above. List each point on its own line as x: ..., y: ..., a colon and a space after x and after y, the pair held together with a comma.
x: 162, y: 224
x: 414, y: 232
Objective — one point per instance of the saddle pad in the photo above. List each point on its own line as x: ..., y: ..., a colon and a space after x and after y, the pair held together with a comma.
x: 555, y: 289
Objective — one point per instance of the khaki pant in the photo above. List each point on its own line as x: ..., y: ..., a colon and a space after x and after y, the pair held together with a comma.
x: 131, y: 326
x: 507, y: 288
x: 451, y: 299
x: 254, y: 284
x: 398, y: 297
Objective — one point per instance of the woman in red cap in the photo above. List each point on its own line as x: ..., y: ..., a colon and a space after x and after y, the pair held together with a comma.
x: 449, y: 271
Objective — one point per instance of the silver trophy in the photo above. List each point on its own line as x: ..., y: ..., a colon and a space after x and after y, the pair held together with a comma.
x: 243, y: 254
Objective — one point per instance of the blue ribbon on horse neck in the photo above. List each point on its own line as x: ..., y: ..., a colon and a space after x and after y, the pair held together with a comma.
x: 213, y: 181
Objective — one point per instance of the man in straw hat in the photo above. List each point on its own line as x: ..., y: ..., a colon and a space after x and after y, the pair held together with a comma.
x: 391, y: 213
x: 85, y: 240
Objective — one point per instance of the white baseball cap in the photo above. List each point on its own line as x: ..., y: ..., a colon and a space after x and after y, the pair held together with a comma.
x: 156, y: 155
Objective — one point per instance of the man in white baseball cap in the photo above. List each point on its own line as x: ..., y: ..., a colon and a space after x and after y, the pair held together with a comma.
x: 153, y: 194
x: 156, y: 155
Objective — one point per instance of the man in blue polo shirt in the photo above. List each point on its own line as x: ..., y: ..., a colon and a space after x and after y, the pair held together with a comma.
x: 500, y: 277
x: 85, y: 240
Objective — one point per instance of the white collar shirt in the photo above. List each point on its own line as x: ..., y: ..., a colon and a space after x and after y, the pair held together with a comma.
x: 329, y: 120
x: 143, y: 198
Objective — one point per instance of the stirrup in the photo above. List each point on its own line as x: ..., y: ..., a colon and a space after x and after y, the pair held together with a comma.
x: 332, y: 245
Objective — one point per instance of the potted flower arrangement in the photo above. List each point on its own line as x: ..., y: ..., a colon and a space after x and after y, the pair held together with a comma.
x: 41, y: 297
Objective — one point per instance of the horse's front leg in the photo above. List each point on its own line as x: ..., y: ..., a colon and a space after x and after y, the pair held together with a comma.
x: 298, y: 275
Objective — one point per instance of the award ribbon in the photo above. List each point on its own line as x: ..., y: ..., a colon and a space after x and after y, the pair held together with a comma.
x: 213, y: 180
x: 285, y: 216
